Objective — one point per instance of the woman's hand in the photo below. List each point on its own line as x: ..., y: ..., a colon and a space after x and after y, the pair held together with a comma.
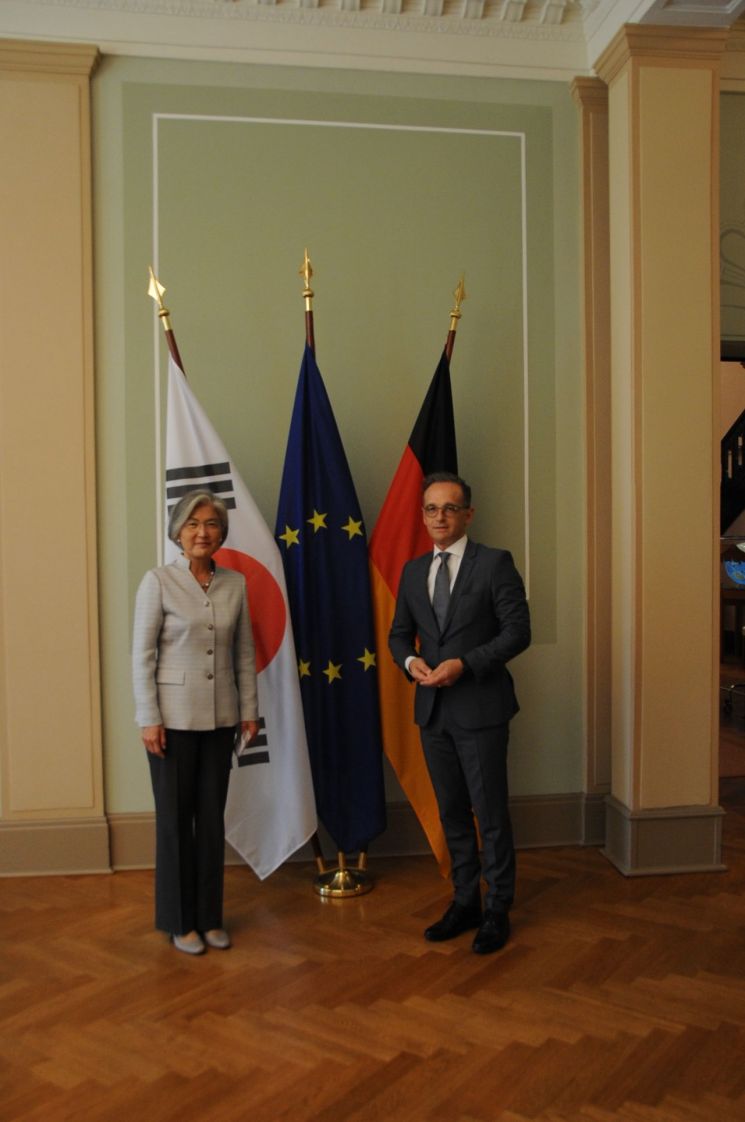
x: 249, y: 731
x: 154, y: 739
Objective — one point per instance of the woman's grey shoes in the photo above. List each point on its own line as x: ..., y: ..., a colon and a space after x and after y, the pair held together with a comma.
x: 191, y: 945
x: 217, y: 938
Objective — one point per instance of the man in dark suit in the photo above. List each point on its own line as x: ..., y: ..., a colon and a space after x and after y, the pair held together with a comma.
x: 465, y: 604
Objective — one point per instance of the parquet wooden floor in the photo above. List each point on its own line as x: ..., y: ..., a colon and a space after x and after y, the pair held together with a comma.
x: 615, y: 1000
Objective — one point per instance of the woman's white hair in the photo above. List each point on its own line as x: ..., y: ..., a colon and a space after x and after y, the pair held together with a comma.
x: 186, y: 506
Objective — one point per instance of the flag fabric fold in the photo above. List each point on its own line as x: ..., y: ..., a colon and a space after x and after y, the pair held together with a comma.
x: 270, y: 811
x: 322, y: 539
x: 398, y: 536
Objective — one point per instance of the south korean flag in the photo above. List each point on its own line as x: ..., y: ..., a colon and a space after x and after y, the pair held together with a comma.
x: 271, y: 806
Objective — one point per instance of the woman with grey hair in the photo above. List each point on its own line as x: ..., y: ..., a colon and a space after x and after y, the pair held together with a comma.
x: 195, y: 683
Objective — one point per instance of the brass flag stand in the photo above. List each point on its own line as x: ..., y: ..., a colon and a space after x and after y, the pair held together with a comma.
x: 343, y: 882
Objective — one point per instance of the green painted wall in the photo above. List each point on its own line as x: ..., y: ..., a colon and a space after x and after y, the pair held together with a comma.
x: 220, y: 176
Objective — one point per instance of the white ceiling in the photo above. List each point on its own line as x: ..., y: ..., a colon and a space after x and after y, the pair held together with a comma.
x: 545, y: 39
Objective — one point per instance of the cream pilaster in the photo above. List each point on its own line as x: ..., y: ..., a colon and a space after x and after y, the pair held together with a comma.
x: 663, y: 90
x: 591, y: 96
x: 51, y: 799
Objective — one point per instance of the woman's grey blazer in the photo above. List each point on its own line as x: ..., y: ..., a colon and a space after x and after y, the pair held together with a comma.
x: 193, y: 661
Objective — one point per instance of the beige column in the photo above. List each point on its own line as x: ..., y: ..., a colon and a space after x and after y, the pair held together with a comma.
x: 591, y: 96
x: 663, y: 91
x: 51, y: 796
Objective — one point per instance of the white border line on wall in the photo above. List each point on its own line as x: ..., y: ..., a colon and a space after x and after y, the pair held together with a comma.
x: 279, y: 121
x: 159, y: 455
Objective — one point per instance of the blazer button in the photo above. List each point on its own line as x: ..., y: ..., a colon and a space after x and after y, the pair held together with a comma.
x: 210, y: 627
x: 210, y: 651
x: 206, y: 603
x: 210, y: 676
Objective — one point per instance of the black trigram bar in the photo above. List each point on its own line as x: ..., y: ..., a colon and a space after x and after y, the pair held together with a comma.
x: 204, y: 474
x: 198, y: 471
x: 253, y: 757
x: 219, y: 486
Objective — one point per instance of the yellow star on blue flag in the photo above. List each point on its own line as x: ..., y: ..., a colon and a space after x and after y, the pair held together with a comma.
x: 353, y: 528
x: 332, y: 672
x: 290, y: 537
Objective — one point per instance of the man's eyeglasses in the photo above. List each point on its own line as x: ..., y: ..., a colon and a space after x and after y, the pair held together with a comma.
x: 449, y: 509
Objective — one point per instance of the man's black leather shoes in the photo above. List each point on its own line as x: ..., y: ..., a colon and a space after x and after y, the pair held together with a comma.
x: 457, y: 919
x: 493, y: 932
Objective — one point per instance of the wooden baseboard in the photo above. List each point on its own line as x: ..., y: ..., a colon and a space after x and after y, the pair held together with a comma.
x: 132, y: 840
x: 547, y: 820
x: 64, y: 845
x: 681, y: 839
x: 550, y: 820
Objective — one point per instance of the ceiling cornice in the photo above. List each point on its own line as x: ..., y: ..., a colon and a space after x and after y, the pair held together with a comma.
x: 542, y: 39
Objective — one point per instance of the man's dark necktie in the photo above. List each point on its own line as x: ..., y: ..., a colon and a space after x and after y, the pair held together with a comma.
x: 441, y: 595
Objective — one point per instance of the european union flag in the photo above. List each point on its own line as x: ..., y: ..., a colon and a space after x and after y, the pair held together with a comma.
x: 323, y: 544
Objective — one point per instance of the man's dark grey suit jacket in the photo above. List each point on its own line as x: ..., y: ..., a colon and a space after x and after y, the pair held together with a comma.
x: 488, y: 623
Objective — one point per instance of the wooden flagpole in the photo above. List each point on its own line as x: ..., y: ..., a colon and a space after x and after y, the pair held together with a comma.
x: 306, y: 272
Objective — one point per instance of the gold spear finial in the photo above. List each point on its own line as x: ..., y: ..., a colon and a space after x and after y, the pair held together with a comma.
x: 460, y: 296
x: 156, y: 291
x: 306, y: 272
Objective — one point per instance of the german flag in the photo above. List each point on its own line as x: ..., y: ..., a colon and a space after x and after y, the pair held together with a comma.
x: 399, y: 535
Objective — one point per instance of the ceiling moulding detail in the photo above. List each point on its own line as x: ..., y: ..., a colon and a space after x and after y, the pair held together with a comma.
x: 530, y: 20
x: 732, y: 72
x: 701, y: 44
x: 590, y: 93
x: 698, y: 13
x: 50, y: 58
x: 736, y: 39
